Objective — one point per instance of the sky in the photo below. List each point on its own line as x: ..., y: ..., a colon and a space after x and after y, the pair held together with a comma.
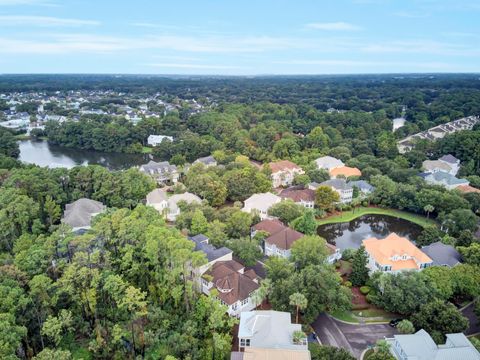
x: 241, y: 37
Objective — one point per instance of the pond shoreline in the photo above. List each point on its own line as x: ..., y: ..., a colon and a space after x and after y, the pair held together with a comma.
x: 350, y: 215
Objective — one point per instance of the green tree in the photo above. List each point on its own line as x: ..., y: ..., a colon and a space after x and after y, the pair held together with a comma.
x: 428, y: 209
x: 459, y: 220
x: 326, y: 197
x: 309, y: 250
x: 439, y: 318
x: 50, y: 354
x: 471, y: 254
x: 247, y: 250
x: 11, y: 336
x: 323, y: 352
x: 199, y: 223
x: 306, y: 223
x: 286, y: 210
x: 359, y: 275
x: 299, y: 301
x: 52, y: 209
x: 405, y: 327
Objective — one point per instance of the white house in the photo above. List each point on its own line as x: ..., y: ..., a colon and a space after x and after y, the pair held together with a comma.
x: 344, y: 190
x: 154, y: 140
x: 272, y: 330
x: 235, y: 286
x: 162, y: 172
x: 261, y: 203
x: 451, y: 161
x: 158, y: 199
x: 328, y: 163
x: 283, y: 172
x: 304, y: 197
x: 174, y: 210
x: 394, y: 254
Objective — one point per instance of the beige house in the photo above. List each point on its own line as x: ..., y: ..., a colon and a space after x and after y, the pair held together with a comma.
x: 283, y: 172
x: 261, y: 203
x: 158, y: 199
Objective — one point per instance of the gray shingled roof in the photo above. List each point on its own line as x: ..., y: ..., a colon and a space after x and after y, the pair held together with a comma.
x: 362, y: 185
x: 339, y: 184
x: 210, y: 251
x: 80, y: 212
x: 442, y: 254
x: 449, y: 159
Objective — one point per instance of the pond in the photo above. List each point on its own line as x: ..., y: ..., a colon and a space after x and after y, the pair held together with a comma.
x: 44, y: 154
x: 350, y: 234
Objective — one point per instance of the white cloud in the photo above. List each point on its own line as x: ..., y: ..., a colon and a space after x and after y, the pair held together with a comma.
x: 334, y: 26
x: 434, y: 66
x: 411, y: 15
x: 421, y: 47
x: 44, y: 21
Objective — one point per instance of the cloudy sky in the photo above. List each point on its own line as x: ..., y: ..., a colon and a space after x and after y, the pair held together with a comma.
x: 242, y: 37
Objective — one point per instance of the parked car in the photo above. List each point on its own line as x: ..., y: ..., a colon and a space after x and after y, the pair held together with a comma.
x: 394, y: 322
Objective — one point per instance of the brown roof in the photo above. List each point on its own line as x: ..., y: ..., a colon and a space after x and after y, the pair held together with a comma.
x: 284, y: 239
x: 298, y: 195
x: 283, y: 165
x: 271, y: 226
x: 232, y: 286
x: 467, y: 189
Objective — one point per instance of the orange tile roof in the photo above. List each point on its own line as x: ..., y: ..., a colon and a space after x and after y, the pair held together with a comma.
x: 382, y: 250
x: 345, y: 171
x: 283, y: 165
x: 467, y: 189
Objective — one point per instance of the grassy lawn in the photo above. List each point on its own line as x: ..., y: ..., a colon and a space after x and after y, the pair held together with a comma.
x: 374, y: 312
x: 146, y: 150
x: 344, y: 315
x: 353, y: 214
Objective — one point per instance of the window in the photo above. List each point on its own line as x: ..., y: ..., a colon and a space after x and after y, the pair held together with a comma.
x: 244, y: 342
x: 244, y: 302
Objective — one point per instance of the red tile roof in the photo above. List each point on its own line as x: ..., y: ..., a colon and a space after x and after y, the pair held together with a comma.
x: 270, y: 226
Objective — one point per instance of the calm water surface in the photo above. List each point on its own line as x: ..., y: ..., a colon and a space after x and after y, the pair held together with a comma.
x: 43, y: 154
x: 350, y: 234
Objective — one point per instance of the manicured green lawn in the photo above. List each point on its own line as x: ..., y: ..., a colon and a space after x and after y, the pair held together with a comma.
x: 353, y: 214
x: 146, y: 150
x: 344, y: 315
x: 374, y: 312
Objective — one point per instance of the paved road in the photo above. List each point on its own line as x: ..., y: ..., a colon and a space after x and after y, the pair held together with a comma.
x: 354, y: 338
x: 473, y: 319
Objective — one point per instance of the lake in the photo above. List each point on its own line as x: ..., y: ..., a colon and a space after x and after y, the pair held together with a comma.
x: 350, y: 234
x: 42, y: 153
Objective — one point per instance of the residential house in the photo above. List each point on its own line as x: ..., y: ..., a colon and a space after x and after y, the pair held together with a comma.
x: 271, y: 226
x: 174, y: 210
x: 328, y: 163
x: 154, y: 140
x: 261, y: 203
x: 79, y: 214
x: 271, y: 330
x: 445, y: 179
x: 158, y: 199
x: 394, y: 254
x: 270, y: 354
x: 420, y: 346
x: 212, y: 253
x: 334, y: 253
x: 299, y: 195
x: 344, y: 190
x: 364, y: 187
x: 437, y: 165
x: 344, y: 171
x: 283, y: 172
x: 162, y: 172
x: 207, y: 161
x: 234, y: 285
x: 452, y: 161
x: 442, y: 254
x: 280, y: 242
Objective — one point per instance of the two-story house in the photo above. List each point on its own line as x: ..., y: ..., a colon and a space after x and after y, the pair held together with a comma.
x: 174, y: 200
x: 451, y: 161
x: 158, y: 199
x: 161, y: 172
x: 395, y: 254
x: 79, y: 214
x: 268, y: 334
x: 280, y: 243
x: 233, y: 284
x: 283, y: 172
x: 328, y: 163
x: 344, y: 190
x: 301, y: 196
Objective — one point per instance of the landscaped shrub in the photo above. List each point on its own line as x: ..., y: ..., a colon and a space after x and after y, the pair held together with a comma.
x: 347, y: 284
x: 347, y: 254
x: 365, y: 290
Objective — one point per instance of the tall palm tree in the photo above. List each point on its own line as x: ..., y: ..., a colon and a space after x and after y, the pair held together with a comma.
x: 299, y: 301
x: 262, y: 292
x: 428, y: 209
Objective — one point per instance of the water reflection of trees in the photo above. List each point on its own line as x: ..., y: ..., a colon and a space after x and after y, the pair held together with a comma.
x: 378, y: 225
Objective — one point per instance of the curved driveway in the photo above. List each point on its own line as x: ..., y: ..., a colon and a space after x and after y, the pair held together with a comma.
x: 354, y: 338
